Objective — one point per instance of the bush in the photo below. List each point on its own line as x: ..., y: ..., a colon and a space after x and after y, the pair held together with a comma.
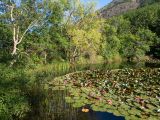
x: 13, y: 103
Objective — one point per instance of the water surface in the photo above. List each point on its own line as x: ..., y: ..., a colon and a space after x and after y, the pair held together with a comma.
x: 51, y: 104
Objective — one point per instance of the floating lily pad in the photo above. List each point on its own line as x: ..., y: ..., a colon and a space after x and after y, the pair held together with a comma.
x: 128, y: 92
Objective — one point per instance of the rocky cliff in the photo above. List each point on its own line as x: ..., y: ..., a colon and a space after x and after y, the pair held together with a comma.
x: 117, y: 7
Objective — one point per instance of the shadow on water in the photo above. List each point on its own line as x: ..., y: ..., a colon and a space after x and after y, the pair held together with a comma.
x: 51, y: 105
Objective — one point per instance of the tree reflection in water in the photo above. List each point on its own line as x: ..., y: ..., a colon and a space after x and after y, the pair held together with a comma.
x: 51, y: 105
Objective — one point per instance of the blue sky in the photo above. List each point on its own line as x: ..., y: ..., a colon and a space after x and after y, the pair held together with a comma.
x: 102, y: 3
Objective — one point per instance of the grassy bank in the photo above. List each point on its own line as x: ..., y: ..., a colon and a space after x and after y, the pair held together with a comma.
x: 18, y: 87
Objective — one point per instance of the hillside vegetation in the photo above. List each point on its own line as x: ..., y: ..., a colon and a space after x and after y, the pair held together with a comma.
x: 35, y: 33
x: 117, y: 7
x: 134, y: 34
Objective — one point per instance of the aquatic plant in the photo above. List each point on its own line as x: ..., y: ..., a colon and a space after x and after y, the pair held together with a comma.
x: 133, y: 93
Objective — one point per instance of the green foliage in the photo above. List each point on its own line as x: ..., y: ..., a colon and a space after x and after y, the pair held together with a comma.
x: 112, y: 42
x: 13, y: 103
x: 5, y: 43
x: 45, y: 41
x: 145, y: 21
x: 18, y: 85
x: 133, y: 34
x: 66, y: 30
x: 148, y: 2
x: 146, y: 17
x: 83, y: 28
x: 71, y: 30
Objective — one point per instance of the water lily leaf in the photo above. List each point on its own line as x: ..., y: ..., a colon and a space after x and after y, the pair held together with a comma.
x: 78, y: 104
x: 69, y: 100
x: 132, y: 91
x: 150, y: 106
x: 125, y: 107
x: 117, y: 113
x: 134, y: 111
x: 95, y: 108
x: 133, y: 117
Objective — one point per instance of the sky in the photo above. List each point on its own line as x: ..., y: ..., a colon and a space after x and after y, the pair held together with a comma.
x: 102, y: 3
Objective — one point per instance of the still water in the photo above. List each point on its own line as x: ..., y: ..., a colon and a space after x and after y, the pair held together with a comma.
x: 54, y: 107
x: 51, y: 104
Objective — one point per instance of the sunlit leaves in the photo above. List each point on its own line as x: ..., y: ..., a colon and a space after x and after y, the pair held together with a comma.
x: 83, y: 29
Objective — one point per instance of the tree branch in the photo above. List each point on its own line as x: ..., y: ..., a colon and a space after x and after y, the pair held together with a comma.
x: 30, y: 26
x: 12, y: 8
x: 14, y: 33
x: 17, y: 37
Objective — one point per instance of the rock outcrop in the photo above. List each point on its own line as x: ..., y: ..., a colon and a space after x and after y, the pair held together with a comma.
x: 117, y: 7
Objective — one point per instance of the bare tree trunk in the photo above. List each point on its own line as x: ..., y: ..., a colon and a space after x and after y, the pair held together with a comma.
x: 17, y: 39
x: 14, y: 52
x: 14, y: 40
x: 45, y: 58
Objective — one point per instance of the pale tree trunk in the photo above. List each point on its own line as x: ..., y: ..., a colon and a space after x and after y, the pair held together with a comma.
x: 17, y: 39
x: 14, y: 32
x: 14, y: 51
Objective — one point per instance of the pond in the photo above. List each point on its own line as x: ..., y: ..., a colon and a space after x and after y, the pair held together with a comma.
x: 82, y: 95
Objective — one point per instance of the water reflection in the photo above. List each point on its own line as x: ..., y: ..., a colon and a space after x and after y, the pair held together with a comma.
x: 51, y: 104
x: 62, y: 69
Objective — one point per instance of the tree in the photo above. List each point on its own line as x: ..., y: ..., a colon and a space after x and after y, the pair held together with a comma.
x: 137, y: 45
x: 83, y: 29
x: 111, y: 42
x: 5, y: 43
x: 21, y: 19
x: 147, y: 20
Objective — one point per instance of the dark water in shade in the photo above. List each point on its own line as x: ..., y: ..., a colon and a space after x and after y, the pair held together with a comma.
x: 51, y: 105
